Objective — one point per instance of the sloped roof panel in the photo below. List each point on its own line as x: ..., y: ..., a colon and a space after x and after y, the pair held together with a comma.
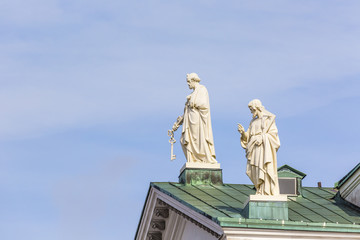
x: 224, y: 205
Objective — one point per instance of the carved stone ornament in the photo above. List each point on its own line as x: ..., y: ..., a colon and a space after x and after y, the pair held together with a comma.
x: 158, y: 224
x: 154, y: 236
x: 160, y: 202
x: 162, y: 212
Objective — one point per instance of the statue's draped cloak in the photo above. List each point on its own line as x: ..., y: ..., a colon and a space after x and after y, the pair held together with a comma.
x: 262, y: 162
x: 197, y: 137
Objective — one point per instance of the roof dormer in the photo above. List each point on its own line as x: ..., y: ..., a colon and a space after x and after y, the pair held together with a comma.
x: 290, y: 180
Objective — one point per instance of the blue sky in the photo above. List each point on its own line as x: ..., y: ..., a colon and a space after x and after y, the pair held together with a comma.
x: 90, y: 88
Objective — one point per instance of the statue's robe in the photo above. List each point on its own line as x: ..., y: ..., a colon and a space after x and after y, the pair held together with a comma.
x: 261, y: 159
x: 197, y: 138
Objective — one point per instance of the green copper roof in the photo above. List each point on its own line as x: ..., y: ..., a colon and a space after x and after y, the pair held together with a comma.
x: 287, y: 171
x: 318, y: 209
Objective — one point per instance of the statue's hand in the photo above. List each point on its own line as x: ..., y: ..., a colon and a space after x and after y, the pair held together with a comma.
x: 175, y: 127
x: 177, y: 124
x: 241, y: 129
x: 258, y: 140
x: 192, y: 105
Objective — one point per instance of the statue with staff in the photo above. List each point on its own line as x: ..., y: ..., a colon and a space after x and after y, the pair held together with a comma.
x: 196, y: 136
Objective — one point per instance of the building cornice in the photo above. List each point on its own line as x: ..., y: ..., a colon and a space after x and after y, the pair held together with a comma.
x: 158, y: 198
x: 254, y: 234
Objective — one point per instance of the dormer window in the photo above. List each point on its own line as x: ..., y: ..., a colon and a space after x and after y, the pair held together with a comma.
x: 290, y: 180
x: 288, y: 186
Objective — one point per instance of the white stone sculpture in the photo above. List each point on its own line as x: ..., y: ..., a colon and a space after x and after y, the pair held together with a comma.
x: 196, y: 137
x: 261, y: 143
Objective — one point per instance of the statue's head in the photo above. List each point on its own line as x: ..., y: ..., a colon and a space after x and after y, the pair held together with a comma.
x: 192, y: 79
x: 255, y: 107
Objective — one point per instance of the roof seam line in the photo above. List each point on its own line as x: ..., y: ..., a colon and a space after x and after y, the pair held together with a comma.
x: 311, y: 210
x: 237, y: 190
x: 199, y: 199
x: 218, y: 199
x: 323, y: 206
x: 226, y: 194
x: 297, y: 211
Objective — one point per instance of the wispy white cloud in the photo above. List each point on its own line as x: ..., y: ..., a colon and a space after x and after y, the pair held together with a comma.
x: 94, y: 63
x: 72, y: 64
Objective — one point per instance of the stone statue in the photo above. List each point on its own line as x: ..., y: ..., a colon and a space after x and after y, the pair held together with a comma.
x: 261, y: 143
x: 196, y: 137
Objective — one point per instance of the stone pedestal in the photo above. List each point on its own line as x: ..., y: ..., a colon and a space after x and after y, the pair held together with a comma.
x: 266, y: 207
x: 201, y: 174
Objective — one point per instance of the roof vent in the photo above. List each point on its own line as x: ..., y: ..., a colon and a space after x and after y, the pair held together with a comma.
x: 290, y: 180
x: 288, y: 186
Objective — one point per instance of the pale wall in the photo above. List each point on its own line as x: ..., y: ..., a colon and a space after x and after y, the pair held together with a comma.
x: 354, y: 196
x: 193, y: 232
x: 350, y: 190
